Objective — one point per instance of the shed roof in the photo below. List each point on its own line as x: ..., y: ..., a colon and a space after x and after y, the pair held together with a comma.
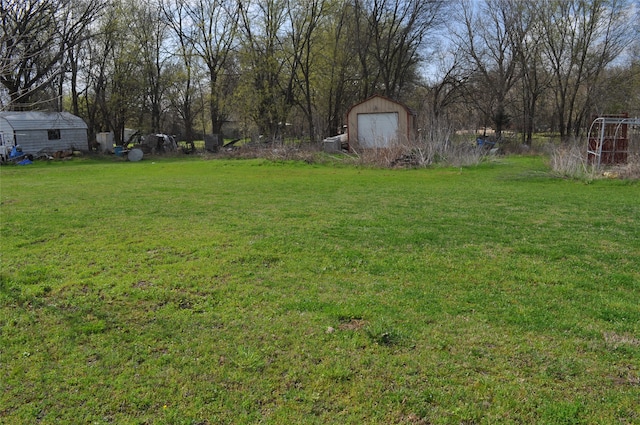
x: 35, y: 120
x: 384, y: 98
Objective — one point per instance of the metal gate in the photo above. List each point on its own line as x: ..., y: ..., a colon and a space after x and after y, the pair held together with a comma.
x: 609, y: 139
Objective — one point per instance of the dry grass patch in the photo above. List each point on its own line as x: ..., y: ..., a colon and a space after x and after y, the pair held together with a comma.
x: 614, y: 340
x: 422, y: 154
x: 570, y: 160
x: 628, y: 171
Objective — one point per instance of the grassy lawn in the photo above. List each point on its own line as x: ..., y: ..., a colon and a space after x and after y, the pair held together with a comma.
x: 224, y: 292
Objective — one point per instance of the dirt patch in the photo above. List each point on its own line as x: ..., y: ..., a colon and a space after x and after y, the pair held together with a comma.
x: 615, y: 340
x: 353, y: 325
x: 142, y: 284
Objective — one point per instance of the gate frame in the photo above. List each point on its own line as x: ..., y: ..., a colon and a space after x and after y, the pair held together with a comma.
x: 599, y: 139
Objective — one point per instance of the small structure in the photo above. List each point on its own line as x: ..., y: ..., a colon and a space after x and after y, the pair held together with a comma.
x: 38, y: 132
x: 335, y: 144
x: 379, y: 122
x: 105, y: 141
x: 158, y: 143
x: 212, y: 142
x: 609, y: 139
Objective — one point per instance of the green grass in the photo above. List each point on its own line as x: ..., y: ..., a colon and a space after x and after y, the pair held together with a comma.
x: 213, y: 292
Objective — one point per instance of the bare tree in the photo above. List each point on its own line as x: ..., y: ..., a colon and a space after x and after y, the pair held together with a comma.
x: 37, y: 36
x: 116, y: 83
x: 447, y: 90
x: 489, y: 41
x: 304, y: 18
x: 215, y: 24
x: 183, y: 90
x: 535, y: 78
x: 267, y: 85
x: 390, y: 37
x: 334, y: 76
x: 580, y: 40
x: 150, y: 29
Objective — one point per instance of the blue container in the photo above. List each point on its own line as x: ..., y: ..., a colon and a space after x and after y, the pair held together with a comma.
x: 118, y: 150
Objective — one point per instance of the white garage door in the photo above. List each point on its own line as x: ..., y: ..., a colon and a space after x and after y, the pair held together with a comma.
x: 377, y: 130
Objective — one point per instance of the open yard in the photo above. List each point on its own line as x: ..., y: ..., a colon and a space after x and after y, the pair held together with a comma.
x: 247, y: 291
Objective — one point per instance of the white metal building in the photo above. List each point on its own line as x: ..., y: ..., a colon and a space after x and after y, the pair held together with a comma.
x: 38, y: 132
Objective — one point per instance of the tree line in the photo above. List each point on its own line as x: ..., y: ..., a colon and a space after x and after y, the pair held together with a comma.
x: 280, y: 68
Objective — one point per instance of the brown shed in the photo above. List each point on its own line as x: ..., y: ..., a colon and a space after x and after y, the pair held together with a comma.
x: 379, y: 122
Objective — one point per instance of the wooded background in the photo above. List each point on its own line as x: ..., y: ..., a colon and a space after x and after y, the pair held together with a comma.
x: 292, y: 68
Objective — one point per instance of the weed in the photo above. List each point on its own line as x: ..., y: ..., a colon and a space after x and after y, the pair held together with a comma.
x: 248, y: 358
x: 383, y: 333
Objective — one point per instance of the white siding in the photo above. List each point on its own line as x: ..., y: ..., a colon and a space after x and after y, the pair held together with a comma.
x: 30, y: 130
x: 34, y: 141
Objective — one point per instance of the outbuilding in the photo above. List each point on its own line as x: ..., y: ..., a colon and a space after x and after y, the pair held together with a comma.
x: 379, y: 122
x: 38, y: 132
